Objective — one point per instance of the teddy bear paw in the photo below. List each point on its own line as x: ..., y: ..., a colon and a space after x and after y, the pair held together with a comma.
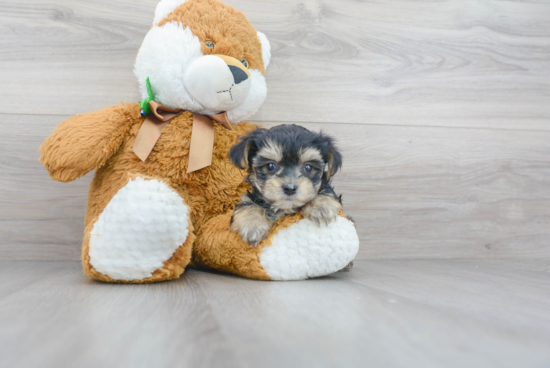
x: 305, y: 250
x: 138, y: 231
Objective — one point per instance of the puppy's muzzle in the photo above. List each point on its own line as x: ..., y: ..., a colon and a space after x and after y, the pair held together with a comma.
x: 218, y: 82
x: 290, y: 189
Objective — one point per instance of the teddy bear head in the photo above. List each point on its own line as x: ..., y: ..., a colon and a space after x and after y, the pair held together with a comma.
x: 205, y: 57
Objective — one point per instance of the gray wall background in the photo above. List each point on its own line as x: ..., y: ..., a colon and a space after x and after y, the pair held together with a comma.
x: 441, y: 108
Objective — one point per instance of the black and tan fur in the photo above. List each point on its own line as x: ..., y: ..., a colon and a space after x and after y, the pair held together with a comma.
x: 290, y: 169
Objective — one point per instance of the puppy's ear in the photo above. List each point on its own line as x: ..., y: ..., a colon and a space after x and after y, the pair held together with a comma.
x: 334, y: 160
x: 241, y: 153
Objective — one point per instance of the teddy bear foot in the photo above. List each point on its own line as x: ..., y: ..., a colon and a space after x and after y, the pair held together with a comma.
x: 304, y: 250
x: 142, y: 235
x: 295, y: 249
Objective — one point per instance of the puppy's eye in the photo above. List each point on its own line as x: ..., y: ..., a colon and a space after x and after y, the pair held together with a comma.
x: 245, y: 63
x: 210, y: 44
x: 271, y: 167
x: 308, y: 168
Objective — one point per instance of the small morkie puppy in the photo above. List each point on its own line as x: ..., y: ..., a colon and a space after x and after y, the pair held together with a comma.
x: 290, y: 169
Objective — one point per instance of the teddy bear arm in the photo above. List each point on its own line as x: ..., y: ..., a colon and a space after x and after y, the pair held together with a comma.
x: 85, y: 142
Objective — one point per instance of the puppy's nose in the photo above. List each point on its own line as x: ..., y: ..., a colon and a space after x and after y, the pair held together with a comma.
x: 289, y: 189
x: 238, y: 74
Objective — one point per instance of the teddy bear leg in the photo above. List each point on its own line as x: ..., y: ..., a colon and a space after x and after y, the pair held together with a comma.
x: 304, y: 250
x: 144, y: 234
x: 295, y: 249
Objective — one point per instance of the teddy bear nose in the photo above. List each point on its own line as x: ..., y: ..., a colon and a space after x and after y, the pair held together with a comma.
x: 238, y: 74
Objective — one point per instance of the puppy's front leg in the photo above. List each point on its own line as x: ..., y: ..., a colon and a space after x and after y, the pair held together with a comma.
x: 322, y: 210
x: 251, y: 222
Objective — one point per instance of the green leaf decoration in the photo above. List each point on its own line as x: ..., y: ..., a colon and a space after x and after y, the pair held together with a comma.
x: 146, y: 110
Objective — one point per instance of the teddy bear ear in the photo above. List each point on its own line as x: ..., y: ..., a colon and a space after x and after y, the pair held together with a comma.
x: 266, y: 49
x: 164, y: 8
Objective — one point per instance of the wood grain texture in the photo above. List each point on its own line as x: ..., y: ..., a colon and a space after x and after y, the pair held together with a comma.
x: 441, y: 109
x: 414, y: 192
x: 436, y: 313
x: 446, y: 63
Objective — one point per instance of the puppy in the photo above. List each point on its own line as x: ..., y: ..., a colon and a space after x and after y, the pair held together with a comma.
x: 290, y: 169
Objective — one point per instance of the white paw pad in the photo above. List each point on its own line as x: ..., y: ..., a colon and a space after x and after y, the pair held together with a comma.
x: 141, y: 227
x: 304, y: 250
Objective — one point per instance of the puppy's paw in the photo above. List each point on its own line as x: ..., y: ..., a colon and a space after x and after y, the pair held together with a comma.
x: 322, y: 210
x: 251, y: 223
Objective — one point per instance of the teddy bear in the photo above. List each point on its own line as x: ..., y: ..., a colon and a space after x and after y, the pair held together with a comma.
x: 164, y: 188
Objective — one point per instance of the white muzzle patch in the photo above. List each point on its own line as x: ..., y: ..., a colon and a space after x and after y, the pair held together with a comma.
x: 215, y: 84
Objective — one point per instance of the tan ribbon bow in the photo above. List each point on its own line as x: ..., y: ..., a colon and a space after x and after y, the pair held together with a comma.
x: 202, y: 135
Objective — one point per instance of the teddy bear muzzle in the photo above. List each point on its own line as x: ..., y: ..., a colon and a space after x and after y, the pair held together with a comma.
x: 218, y: 82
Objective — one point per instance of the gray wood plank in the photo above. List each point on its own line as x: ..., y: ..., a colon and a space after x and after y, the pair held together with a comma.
x: 437, y: 313
x: 414, y: 192
x: 100, y: 324
x: 485, y: 286
x: 39, y: 218
x: 484, y: 64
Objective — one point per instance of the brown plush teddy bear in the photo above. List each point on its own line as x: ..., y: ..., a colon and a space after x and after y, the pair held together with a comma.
x: 164, y: 188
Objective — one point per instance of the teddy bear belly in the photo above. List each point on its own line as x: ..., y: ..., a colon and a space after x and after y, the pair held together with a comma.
x: 141, y: 227
x: 305, y: 250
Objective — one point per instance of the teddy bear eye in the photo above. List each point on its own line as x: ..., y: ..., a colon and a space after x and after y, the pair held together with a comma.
x: 271, y: 167
x: 210, y: 44
x: 245, y: 63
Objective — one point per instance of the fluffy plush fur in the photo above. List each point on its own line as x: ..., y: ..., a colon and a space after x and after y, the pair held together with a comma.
x: 186, y: 34
x: 295, y: 248
x: 71, y: 151
x: 136, y: 210
x: 165, y: 7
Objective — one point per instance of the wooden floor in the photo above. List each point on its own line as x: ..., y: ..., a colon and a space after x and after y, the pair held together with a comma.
x: 442, y: 110
x: 402, y: 313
